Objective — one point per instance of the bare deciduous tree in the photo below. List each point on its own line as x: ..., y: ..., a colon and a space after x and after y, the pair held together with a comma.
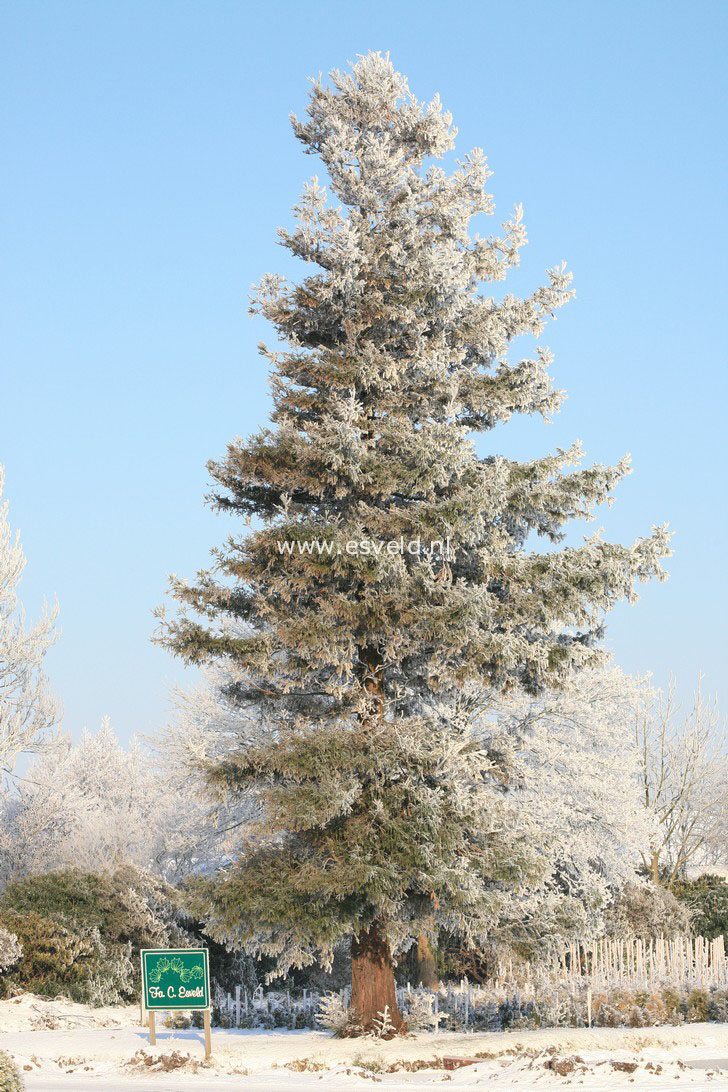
x: 28, y: 709
x: 683, y: 776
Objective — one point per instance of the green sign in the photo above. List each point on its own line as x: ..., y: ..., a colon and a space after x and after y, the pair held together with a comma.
x: 176, y: 978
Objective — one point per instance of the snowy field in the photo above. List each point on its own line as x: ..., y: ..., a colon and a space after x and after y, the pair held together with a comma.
x: 62, y: 1046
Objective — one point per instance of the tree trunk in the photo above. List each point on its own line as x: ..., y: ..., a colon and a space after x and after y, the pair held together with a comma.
x: 655, y: 869
x: 372, y: 981
x: 425, y: 969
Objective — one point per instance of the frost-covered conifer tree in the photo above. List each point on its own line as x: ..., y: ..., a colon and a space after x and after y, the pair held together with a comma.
x: 28, y: 709
x: 380, y: 816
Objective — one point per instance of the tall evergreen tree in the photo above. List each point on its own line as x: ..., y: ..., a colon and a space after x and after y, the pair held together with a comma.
x: 382, y: 817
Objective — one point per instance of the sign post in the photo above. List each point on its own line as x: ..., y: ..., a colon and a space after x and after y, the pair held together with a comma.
x: 177, y: 978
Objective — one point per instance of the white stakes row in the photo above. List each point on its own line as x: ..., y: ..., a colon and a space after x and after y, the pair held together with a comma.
x: 678, y: 961
x: 593, y: 965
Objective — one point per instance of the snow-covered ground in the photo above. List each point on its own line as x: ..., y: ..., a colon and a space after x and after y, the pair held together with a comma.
x: 62, y: 1046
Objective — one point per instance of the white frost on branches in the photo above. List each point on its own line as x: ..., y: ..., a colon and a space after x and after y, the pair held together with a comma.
x: 207, y: 727
x: 91, y: 805
x: 97, y: 805
x: 574, y: 777
x: 28, y: 709
x: 684, y: 781
x: 580, y: 769
x: 10, y: 950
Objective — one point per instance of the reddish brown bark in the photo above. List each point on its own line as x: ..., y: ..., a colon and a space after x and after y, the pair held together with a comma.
x: 372, y: 975
x: 425, y: 968
x: 372, y: 981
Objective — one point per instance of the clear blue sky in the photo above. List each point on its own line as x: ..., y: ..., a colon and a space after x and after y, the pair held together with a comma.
x: 147, y: 160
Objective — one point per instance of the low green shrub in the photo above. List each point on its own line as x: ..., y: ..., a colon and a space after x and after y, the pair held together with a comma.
x: 126, y: 907
x: 70, y: 896
x: 56, y: 960
x: 99, y: 922
x: 698, y: 1006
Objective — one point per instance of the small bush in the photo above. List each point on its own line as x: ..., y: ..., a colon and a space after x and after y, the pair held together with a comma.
x: 657, y: 1012
x: 53, y: 958
x: 333, y: 1014
x: 420, y: 1011
x: 647, y: 911
x: 671, y: 999
x: 10, y: 1079
x: 698, y: 1006
x: 718, y: 1006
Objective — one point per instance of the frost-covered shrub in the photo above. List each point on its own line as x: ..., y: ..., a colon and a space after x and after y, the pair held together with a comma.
x: 670, y: 997
x: 551, y: 1005
x: 698, y: 1006
x: 382, y: 1026
x: 563, y: 1004
x: 485, y: 1017
x: 333, y: 1013
x: 618, y: 1009
x: 561, y: 1008
x: 718, y: 1006
x: 420, y: 1011
x: 10, y: 1079
x: 10, y: 950
x: 658, y: 1006
x: 53, y: 960
x: 647, y: 911
x: 113, y: 981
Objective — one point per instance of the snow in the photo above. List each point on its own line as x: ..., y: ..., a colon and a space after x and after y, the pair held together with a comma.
x: 62, y: 1046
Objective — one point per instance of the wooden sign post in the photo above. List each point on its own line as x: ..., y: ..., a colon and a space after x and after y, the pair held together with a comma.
x: 208, y: 1033
x: 177, y: 978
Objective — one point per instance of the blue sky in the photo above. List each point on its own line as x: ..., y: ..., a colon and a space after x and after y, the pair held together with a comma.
x: 147, y: 160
